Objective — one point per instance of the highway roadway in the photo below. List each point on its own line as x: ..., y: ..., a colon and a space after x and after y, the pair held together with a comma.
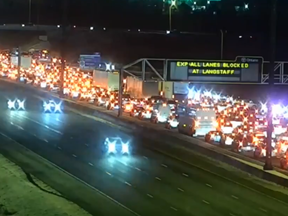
x: 146, y: 182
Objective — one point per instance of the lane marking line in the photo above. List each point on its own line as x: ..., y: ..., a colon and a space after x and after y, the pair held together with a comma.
x: 164, y: 165
x: 206, y: 202
x: 173, y: 208
x: 83, y: 182
x: 184, y: 174
x: 127, y: 183
x: 49, y: 128
x: 219, y: 176
x: 167, y: 154
x: 19, y: 127
x: 264, y: 210
x: 149, y: 195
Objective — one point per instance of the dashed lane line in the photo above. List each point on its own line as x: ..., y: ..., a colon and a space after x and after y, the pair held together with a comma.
x: 100, y: 192
x: 127, y: 183
x: 149, y: 195
x: 173, y: 208
x: 206, y: 202
x: 264, y: 210
x: 184, y: 174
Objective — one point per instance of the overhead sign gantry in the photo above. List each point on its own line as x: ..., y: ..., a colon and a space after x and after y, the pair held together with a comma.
x: 241, y: 70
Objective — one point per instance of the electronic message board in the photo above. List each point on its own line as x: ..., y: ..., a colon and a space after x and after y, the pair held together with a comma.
x: 242, y: 70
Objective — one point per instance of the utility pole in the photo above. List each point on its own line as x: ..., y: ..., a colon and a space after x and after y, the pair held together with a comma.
x: 120, y: 102
x: 18, y: 50
x: 63, y: 47
x: 268, y: 162
x: 173, y: 5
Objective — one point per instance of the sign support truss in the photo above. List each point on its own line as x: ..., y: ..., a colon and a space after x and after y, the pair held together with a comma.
x: 280, y: 76
x: 147, y: 69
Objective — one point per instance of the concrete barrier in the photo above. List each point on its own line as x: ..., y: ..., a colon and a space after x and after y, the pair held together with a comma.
x: 168, y: 139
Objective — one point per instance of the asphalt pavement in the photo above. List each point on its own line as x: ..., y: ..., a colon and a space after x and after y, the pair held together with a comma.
x: 146, y: 182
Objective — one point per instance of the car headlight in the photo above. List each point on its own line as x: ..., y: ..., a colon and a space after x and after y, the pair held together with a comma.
x: 125, y: 148
x: 21, y: 104
x: 111, y: 147
x: 48, y: 107
x: 57, y: 107
x: 16, y: 104
x: 11, y: 104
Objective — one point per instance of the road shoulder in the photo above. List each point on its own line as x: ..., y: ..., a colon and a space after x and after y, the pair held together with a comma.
x: 65, y: 187
x: 22, y: 194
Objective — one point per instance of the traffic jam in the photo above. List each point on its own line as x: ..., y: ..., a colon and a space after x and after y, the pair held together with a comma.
x: 233, y: 123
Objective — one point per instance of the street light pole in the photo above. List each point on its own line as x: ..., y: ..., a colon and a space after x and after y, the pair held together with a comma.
x: 268, y: 162
x: 222, y: 44
x: 19, y: 63
x: 63, y: 48
x: 173, y: 4
x: 120, y: 102
x: 30, y: 8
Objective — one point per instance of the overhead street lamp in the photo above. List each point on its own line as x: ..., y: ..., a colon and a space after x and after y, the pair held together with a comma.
x: 268, y: 162
x: 173, y: 5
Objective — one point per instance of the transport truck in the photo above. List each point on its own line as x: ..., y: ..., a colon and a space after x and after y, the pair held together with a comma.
x: 106, y: 80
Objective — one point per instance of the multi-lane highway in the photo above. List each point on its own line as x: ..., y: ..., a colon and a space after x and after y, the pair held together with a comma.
x: 146, y: 182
